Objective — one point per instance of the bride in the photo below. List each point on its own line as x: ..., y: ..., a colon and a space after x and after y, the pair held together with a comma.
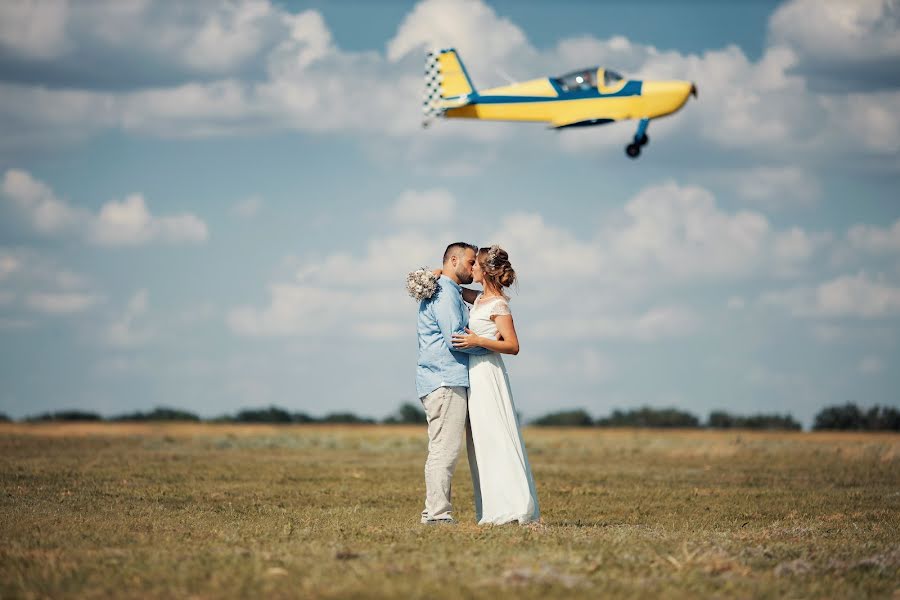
x: 504, y: 486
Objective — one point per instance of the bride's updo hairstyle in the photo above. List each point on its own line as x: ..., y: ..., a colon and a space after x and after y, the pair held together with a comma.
x: 494, y: 262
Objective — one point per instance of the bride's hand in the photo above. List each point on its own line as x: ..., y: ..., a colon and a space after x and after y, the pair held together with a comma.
x: 437, y: 272
x: 465, y: 341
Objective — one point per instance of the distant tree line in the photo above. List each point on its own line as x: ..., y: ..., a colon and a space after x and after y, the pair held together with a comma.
x: 665, y: 418
x: 160, y: 413
x: 66, y: 415
x: 845, y: 417
x: 851, y: 417
x: 407, y: 413
x: 639, y: 417
x: 724, y: 420
x: 649, y: 417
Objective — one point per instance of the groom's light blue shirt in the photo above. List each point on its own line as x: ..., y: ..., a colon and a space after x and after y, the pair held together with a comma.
x: 440, y: 317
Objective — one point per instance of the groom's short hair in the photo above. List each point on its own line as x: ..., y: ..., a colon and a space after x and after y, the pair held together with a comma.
x: 457, y: 248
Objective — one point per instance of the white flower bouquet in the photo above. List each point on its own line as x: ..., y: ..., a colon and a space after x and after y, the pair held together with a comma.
x: 421, y: 284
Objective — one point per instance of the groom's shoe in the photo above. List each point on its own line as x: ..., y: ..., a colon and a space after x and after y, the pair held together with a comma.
x: 450, y: 521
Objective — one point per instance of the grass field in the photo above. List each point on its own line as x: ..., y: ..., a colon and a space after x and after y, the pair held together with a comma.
x: 218, y: 511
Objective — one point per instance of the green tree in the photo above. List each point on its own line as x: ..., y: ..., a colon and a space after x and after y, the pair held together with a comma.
x: 850, y: 417
x: 160, y: 413
x: 724, y: 420
x: 882, y: 418
x: 66, y: 415
x: 345, y: 417
x: 408, y: 413
x: 566, y: 418
x: 720, y: 420
x: 272, y: 414
x: 301, y: 417
x: 845, y: 417
x: 649, y: 417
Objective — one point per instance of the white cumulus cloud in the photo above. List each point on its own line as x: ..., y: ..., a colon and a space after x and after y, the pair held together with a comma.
x: 773, y: 187
x: 470, y: 26
x: 858, y: 296
x: 60, y: 303
x: 841, y: 44
x: 255, y: 66
x: 870, y: 364
x: 649, y: 326
x: 35, y: 28
x: 875, y: 240
x: 35, y: 199
x: 247, y: 208
x: 427, y: 206
x: 128, y: 222
x: 126, y: 330
x: 666, y: 235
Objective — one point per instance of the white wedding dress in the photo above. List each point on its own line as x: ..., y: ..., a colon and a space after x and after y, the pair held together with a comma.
x: 501, y: 473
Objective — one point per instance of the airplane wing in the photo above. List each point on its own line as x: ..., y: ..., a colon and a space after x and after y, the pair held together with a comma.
x: 579, y: 122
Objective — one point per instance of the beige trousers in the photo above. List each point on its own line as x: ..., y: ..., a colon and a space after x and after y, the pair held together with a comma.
x: 445, y: 409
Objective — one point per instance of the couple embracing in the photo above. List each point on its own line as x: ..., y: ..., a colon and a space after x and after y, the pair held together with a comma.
x: 464, y: 388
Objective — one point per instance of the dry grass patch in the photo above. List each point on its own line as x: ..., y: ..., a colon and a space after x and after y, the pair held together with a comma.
x: 319, y: 511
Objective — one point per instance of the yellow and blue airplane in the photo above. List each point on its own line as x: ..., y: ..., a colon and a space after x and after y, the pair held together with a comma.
x: 582, y: 98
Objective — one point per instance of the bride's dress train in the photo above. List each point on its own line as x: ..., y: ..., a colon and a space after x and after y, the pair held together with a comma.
x: 501, y: 473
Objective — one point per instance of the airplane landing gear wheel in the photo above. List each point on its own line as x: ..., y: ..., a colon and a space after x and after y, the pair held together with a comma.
x: 643, y: 141
x: 633, y: 150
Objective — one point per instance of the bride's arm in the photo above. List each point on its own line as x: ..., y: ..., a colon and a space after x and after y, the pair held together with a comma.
x: 508, y: 342
x: 467, y: 294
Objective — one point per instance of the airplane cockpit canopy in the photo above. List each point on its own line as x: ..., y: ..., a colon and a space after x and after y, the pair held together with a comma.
x: 586, y: 79
x: 583, y: 79
x: 611, y: 78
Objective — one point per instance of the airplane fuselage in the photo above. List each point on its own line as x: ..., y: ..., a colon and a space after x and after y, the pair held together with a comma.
x: 545, y: 100
x: 582, y: 98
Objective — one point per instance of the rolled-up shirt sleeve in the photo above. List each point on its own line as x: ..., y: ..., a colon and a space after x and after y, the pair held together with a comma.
x: 449, y: 312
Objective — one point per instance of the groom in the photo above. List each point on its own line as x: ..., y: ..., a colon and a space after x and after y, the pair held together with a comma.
x: 442, y: 380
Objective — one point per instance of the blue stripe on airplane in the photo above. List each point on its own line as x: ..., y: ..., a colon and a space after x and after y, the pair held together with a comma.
x: 632, y: 88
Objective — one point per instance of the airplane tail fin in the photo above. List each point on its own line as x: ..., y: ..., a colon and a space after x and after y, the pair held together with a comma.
x: 447, y: 84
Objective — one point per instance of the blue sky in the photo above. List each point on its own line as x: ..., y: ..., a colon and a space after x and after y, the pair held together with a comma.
x: 214, y: 205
